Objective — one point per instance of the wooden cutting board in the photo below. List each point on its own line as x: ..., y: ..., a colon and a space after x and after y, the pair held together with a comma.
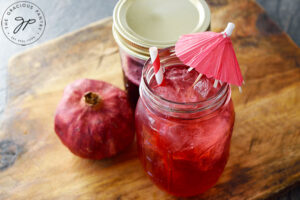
x: 265, y: 149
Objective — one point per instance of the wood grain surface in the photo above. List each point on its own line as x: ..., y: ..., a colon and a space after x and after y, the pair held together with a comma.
x: 265, y: 149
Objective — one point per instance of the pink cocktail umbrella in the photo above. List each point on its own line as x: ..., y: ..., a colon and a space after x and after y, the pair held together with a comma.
x: 211, y: 54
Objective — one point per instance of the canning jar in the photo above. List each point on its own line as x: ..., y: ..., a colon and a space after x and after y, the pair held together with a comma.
x: 141, y: 24
x: 183, y: 139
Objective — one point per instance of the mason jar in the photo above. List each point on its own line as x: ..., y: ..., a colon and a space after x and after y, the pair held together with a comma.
x: 141, y: 24
x: 183, y: 147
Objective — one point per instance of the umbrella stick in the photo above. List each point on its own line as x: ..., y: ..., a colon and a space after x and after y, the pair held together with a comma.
x: 190, y: 69
x: 197, y: 79
x: 240, y: 89
x: 216, y: 83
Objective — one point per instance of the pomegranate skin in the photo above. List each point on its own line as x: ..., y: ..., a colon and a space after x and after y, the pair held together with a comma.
x: 91, y: 127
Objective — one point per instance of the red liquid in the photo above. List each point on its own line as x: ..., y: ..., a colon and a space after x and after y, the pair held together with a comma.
x: 132, y: 72
x: 184, y: 157
x: 132, y: 90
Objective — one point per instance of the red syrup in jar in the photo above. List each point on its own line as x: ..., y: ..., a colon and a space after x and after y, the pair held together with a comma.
x: 132, y: 72
x: 184, y: 153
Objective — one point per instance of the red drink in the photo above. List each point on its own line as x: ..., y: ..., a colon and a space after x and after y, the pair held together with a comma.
x: 183, y: 131
x: 132, y: 72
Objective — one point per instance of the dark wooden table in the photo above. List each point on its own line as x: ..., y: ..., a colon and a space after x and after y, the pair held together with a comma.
x: 67, y: 10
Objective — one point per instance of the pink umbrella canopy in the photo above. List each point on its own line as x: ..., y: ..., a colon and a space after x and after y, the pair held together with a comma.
x: 211, y: 54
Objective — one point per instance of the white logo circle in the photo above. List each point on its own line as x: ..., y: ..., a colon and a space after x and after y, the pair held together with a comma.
x: 23, y: 23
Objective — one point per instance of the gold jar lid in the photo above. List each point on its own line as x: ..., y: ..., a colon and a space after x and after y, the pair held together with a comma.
x: 141, y: 24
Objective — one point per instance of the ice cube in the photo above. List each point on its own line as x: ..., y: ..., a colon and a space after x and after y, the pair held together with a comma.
x: 203, y: 87
x: 175, y: 74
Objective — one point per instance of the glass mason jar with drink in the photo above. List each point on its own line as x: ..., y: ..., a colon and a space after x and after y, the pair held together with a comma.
x: 141, y: 24
x: 183, y: 129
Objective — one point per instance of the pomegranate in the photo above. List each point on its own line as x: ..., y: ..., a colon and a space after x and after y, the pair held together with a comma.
x: 94, y: 119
